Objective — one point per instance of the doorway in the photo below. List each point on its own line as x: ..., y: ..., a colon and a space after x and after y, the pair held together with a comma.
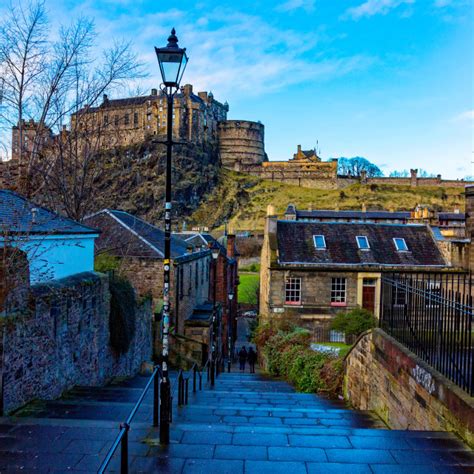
x: 368, y: 294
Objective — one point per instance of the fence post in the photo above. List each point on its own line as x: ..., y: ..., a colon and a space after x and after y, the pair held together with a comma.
x: 124, y: 450
x: 200, y: 381
x: 194, y: 379
x: 186, y: 392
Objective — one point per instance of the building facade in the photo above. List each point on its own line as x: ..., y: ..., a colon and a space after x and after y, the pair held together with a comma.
x: 122, y: 122
x: 55, y: 246
x: 310, y: 271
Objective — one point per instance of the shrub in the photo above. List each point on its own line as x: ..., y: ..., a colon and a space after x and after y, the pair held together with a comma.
x: 288, y: 355
x: 122, y: 314
x: 354, y: 322
x: 105, y: 262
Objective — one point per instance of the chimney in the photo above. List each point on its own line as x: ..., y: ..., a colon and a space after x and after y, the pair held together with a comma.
x: 231, y: 245
x: 154, y: 92
x: 364, y: 207
x: 413, y: 177
x: 34, y: 212
x: 203, y: 96
x: 469, y: 193
x: 187, y: 89
x: 105, y: 99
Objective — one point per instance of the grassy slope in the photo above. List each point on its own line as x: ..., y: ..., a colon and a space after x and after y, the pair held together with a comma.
x: 243, y: 199
x: 248, y: 287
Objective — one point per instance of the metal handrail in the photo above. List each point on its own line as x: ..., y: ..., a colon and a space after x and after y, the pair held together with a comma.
x: 122, y: 437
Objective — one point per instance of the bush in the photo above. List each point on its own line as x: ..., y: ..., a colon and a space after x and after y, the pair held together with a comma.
x: 105, y: 262
x: 354, y: 322
x: 288, y: 355
x: 122, y: 314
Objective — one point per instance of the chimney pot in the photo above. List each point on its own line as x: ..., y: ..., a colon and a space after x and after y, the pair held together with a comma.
x: 154, y: 92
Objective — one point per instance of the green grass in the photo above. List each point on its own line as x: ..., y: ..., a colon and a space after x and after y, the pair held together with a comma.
x: 243, y: 199
x: 248, y: 287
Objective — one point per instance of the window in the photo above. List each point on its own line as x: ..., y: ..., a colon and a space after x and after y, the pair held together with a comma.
x: 319, y: 242
x: 338, y: 291
x: 400, y: 244
x: 135, y: 118
x: 363, y: 242
x: 399, y: 296
x: 127, y: 119
x: 106, y: 119
x: 116, y: 120
x: 293, y: 291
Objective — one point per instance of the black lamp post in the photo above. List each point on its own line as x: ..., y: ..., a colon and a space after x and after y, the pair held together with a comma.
x: 215, y: 255
x: 172, y: 60
x: 229, y: 332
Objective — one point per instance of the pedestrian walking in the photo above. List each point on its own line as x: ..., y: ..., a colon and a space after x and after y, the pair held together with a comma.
x: 252, y: 358
x: 242, y: 358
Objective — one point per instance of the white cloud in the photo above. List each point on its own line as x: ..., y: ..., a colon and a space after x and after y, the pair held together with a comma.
x: 291, y: 5
x: 467, y: 116
x: 375, y: 7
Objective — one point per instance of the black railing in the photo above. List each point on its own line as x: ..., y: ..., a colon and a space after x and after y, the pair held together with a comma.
x: 122, y: 437
x: 431, y: 314
x: 181, y: 385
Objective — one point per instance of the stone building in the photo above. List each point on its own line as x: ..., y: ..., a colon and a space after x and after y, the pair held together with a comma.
x: 226, y: 277
x: 120, y: 122
x: 27, y: 136
x: 310, y: 271
x: 241, y: 142
x: 140, y: 248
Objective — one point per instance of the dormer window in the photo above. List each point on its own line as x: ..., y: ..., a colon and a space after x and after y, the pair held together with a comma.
x: 319, y: 242
x: 400, y: 244
x: 363, y: 242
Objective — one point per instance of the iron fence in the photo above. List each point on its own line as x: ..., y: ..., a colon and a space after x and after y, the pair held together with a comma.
x: 431, y: 314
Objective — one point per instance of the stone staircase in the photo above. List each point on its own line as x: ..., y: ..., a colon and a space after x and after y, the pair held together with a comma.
x: 246, y: 424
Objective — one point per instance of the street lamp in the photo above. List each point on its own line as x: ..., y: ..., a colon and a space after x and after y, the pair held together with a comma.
x: 215, y: 250
x: 172, y: 60
x: 229, y: 332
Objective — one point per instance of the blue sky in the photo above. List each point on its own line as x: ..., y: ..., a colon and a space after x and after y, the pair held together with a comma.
x: 390, y: 80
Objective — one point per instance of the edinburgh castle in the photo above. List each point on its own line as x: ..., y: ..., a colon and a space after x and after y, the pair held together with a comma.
x: 197, y: 118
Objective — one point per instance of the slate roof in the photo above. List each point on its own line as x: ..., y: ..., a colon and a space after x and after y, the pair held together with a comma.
x: 295, y: 244
x: 355, y: 215
x: 152, y: 237
x: 451, y: 216
x: 17, y: 216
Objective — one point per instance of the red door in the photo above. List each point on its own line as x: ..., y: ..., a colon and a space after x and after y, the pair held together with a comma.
x: 368, y: 294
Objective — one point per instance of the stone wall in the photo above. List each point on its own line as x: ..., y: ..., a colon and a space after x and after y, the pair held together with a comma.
x: 383, y: 376
x: 62, y: 340
x: 241, y: 141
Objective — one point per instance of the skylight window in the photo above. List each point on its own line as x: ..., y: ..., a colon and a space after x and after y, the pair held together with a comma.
x: 319, y: 242
x: 363, y: 242
x: 400, y: 244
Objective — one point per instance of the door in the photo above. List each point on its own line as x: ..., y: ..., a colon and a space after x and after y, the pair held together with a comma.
x: 368, y: 294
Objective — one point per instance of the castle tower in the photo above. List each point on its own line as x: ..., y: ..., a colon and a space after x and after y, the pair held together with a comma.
x: 241, y: 141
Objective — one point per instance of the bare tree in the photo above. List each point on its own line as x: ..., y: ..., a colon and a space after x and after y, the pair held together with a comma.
x: 48, y: 81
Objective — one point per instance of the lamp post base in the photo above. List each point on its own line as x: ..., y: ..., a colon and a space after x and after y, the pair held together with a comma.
x: 165, y: 411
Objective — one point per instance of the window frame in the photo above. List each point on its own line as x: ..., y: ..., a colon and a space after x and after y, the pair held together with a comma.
x: 338, y: 291
x: 291, y: 293
x: 404, y: 243
x: 324, y: 242
x: 366, y: 239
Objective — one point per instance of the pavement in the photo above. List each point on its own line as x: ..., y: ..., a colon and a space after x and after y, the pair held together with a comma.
x: 247, y: 424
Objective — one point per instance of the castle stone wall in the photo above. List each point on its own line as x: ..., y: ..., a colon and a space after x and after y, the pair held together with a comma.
x: 241, y: 141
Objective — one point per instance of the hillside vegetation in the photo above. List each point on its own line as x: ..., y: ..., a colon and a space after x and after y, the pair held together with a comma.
x: 242, y: 199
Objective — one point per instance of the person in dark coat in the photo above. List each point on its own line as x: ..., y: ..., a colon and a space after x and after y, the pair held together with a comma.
x: 242, y: 358
x: 252, y: 358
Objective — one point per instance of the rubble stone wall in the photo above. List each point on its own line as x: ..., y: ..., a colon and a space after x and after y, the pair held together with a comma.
x: 62, y: 340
